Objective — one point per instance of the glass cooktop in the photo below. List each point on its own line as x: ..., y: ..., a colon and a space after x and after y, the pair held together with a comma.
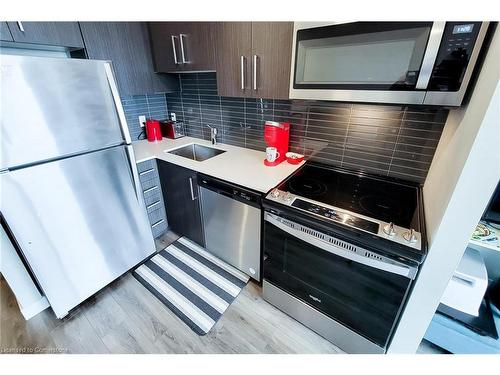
x: 379, y: 198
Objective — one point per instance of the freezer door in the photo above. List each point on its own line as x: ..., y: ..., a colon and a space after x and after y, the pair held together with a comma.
x: 54, y: 107
x: 78, y: 223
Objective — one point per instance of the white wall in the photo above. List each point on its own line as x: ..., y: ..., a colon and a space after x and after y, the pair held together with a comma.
x: 461, y: 180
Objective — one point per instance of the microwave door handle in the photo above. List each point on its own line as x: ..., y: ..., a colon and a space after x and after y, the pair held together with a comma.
x: 399, y: 269
x: 430, y: 55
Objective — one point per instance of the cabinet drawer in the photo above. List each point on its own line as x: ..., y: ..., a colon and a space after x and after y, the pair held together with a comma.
x: 158, y: 220
x: 148, y: 174
x: 154, y: 205
x: 159, y: 228
x: 156, y: 216
x: 150, y: 183
x: 145, y: 165
x: 153, y: 197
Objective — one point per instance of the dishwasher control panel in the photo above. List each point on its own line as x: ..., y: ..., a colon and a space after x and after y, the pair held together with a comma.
x: 230, y: 190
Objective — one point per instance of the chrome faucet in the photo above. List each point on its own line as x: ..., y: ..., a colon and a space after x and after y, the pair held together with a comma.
x: 213, y: 134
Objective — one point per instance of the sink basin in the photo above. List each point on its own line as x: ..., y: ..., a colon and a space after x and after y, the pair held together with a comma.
x: 196, y: 152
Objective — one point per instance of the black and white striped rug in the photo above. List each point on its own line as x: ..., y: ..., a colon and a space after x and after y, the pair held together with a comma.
x: 191, y: 282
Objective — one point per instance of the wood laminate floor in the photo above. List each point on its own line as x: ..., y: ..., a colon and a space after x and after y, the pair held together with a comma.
x: 125, y: 318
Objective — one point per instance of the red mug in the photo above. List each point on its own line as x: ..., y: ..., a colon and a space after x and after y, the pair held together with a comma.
x: 153, y: 130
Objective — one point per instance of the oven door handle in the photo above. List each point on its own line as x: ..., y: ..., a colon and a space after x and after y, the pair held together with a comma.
x: 392, y: 267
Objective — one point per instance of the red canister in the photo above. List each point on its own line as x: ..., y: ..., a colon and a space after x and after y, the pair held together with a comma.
x: 153, y: 130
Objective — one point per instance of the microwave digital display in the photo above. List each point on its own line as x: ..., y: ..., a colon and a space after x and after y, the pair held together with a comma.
x: 463, y: 29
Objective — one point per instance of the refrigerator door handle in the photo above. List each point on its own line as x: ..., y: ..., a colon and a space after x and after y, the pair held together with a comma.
x: 118, y: 103
x: 135, y: 176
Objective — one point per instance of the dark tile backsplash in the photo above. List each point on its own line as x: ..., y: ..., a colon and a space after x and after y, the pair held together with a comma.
x: 149, y: 105
x: 393, y: 140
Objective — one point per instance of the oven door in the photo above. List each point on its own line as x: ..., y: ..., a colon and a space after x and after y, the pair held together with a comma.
x: 364, y: 294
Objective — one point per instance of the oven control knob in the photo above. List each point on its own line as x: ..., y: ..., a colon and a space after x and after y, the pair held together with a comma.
x: 410, y: 236
x: 389, y: 229
x: 275, y: 193
x: 288, y: 198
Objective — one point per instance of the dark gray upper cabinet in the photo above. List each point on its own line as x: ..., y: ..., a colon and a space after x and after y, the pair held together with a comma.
x: 5, y: 32
x: 271, y: 59
x: 234, y: 49
x: 253, y: 59
x: 181, y: 196
x: 128, y: 47
x: 183, y: 46
x: 66, y: 34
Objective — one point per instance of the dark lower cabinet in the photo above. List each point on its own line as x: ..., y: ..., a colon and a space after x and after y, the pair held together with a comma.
x: 181, y: 196
x: 5, y: 32
x: 128, y: 47
x: 65, y: 34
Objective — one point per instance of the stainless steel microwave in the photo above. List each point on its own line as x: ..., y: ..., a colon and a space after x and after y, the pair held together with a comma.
x: 385, y: 62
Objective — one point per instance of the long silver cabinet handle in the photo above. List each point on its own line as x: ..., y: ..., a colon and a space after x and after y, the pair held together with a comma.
x: 255, y: 62
x: 20, y: 25
x: 242, y: 71
x: 193, y: 198
x: 174, y: 49
x: 393, y: 267
x: 183, y: 53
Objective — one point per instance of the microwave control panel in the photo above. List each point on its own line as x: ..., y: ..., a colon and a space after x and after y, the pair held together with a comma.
x: 454, y: 54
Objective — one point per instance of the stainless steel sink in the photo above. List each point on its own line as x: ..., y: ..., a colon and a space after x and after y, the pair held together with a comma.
x: 196, y: 152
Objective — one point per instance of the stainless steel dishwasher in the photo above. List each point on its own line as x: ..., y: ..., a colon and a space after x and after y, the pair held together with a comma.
x: 232, y: 223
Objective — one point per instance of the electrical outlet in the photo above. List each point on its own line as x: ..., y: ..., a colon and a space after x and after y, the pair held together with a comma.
x: 142, y: 121
x: 173, y: 117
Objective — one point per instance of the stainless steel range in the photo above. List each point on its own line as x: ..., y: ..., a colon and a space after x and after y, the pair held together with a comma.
x: 341, y: 251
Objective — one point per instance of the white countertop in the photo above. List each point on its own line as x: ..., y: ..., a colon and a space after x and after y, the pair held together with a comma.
x: 238, y: 165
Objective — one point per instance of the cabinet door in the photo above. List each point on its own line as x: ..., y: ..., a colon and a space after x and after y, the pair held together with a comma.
x: 127, y: 45
x: 166, y: 46
x: 197, y: 41
x: 234, y: 49
x: 271, y: 59
x: 5, y: 32
x: 65, y: 34
x: 183, y: 46
x: 181, y: 196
